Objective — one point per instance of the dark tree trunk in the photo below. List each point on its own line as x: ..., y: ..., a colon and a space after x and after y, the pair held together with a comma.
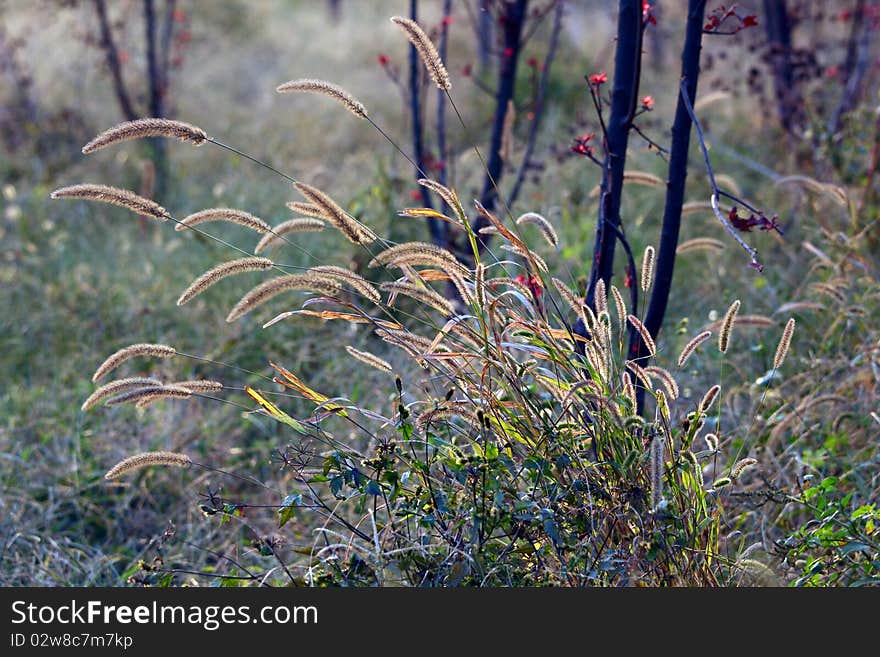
x: 485, y: 34
x: 624, y: 99
x: 156, y: 96
x: 678, y: 162
x: 513, y: 18
x: 415, y: 111
x: 778, y: 27
x: 111, y: 52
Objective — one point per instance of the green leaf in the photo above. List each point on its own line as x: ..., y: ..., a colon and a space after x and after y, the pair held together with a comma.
x: 855, y: 546
x: 491, y: 452
x: 288, y: 508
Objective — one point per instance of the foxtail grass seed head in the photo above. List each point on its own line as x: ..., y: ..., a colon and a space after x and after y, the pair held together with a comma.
x: 272, y: 288
x: 480, y: 285
x: 692, y: 207
x: 573, y: 300
x: 424, y: 295
x: 620, y: 305
x: 669, y: 382
x: 645, y: 335
x: 440, y: 190
x: 426, y: 50
x: 784, y: 344
x: 711, y: 442
x: 709, y: 398
x: 132, y: 351
x: 629, y: 391
x: 740, y: 467
x: 369, y: 359
x: 325, y: 88
x: 115, y: 196
x: 239, y: 217
x: 354, y: 230
x: 691, y: 346
x: 146, y: 128
x: 661, y: 411
x: 417, y: 253
x: 601, y: 297
x: 546, y: 228
x: 727, y: 327
x: 116, y: 387
x: 220, y: 272
x: 295, y: 225
x: 149, y: 394
x: 647, y: 269
x: 358, y: 283
x: 658, y: 449
x: 528, y: 254
x: 146, y: 459
x: 643, y: 377
x: 699, y: 243
x: 199, y: 385
x: 306, y: 209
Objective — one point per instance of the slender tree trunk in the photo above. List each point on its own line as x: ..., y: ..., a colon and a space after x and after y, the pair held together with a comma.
x: 678, y: 162
x: 156, y: 96
x: 514, y: 16
x: 485, y: 29
x: 111, y: 52
x: 415, y: 111
x: 442, y: 153
x: 540, y: 99
x: 624, y: 99
x: 778, y: 27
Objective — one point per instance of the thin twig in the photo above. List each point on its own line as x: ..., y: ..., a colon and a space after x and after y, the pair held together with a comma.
x: 716, y: 191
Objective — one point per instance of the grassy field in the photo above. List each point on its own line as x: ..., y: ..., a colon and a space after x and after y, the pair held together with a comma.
x: 82, y: 280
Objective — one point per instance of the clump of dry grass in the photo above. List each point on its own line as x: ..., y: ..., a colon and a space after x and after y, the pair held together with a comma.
x: 141, y: 128
x: 324, y: 88
x: 115, y: 196
x: 132, y: 351
x: 147, y: 459
x: 221, y: 271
